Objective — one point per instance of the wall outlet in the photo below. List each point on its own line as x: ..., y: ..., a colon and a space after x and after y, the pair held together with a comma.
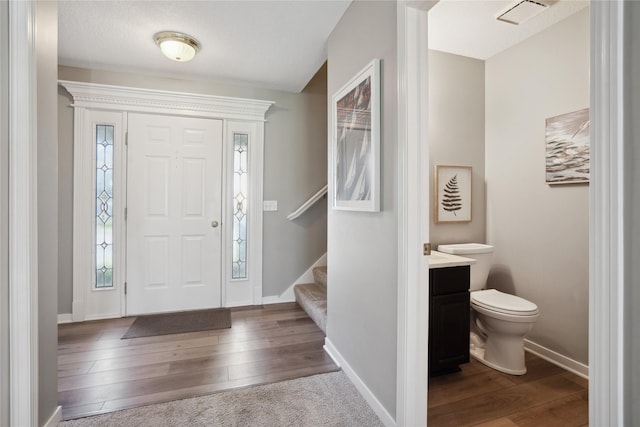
x: 270, y: 205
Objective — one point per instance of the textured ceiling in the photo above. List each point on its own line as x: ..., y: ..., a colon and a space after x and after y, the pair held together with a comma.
x: 469, y: 27
x: 275, y: 44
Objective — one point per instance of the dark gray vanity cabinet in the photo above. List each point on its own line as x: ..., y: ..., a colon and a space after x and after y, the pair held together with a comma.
x: 448, y: 319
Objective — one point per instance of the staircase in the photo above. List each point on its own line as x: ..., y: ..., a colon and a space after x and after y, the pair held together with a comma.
x: 312, y: 297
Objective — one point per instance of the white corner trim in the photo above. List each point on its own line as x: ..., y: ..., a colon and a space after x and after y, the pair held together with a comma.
x: 607, y: 400
x: 413, y: 229
x: 65, y: 318
x: 23, y: 216
x: 306, y: 277
x: 55, y: 418
x: 362, y: 388
x: 120, y: 98
x: 558, y: 359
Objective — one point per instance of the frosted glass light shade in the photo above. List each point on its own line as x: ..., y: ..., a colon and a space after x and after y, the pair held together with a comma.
x: 177, y: 46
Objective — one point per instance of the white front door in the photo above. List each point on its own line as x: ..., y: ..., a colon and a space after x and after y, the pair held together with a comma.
x: 174, y: 200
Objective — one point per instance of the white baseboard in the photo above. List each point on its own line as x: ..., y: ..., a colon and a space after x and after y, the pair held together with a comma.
x: 371, y: 399
x: 307, y: 277
x: 276, y: 300
x: 564, y: 362
x: 55, y: 418
x: 65, y: 318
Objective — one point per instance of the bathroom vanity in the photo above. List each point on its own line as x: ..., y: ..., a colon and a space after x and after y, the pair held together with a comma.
x: 449, y: 277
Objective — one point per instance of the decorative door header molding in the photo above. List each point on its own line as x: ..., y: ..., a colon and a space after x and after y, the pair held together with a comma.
x: 121, y: 98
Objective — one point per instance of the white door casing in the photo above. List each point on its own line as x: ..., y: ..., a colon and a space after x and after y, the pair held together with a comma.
x: 174, y: 209
x: 88, y: 97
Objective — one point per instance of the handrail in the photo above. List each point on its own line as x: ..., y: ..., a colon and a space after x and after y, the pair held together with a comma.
x: 306, y: 205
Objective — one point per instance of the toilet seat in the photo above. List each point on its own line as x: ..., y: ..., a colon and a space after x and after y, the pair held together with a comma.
x: 499, y: 302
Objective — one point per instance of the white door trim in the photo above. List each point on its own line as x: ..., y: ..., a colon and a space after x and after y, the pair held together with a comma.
x: 23, y: 225
x: 4, y: 213
x: 413, y: 205
x: 607, y: 399
x: 90, y: 96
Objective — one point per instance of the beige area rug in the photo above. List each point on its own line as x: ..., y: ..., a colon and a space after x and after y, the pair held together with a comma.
x: 180, y: 322
x: 320, y: 400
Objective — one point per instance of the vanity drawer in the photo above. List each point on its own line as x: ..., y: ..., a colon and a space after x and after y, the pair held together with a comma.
x: 449, y: 280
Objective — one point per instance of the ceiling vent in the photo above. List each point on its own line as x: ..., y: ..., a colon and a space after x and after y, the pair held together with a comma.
x: 522, y: 11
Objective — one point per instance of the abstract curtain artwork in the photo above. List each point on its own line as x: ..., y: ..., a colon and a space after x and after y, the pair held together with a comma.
x: 453, y: 194
x: 567, y: 138
x: 356, y: 142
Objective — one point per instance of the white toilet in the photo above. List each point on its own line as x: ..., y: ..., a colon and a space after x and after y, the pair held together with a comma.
x: 499, y: 321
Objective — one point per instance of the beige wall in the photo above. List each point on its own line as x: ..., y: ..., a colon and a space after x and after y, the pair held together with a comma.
x: 540, y: 232
x: 295, y: 168
x: 363, y: 247
x: 456, y: 136
x: 47, y: 62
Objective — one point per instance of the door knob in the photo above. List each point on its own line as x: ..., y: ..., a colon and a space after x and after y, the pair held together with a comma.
x: 214, y: 224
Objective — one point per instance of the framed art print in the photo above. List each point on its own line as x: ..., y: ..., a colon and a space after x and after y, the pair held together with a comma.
x: 453, y: 194
x: 356, y: 142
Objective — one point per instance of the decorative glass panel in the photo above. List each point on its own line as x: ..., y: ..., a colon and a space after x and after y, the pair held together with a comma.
x: 104, y: 206
x: 240, y: 168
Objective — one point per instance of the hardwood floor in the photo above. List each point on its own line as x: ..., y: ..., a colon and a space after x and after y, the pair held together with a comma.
x: 546, y: 396
x: 98, y: 372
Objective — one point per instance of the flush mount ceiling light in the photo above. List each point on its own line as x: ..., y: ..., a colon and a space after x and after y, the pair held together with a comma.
x: 177, y: 46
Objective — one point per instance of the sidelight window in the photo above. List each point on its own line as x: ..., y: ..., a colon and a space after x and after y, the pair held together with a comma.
x: 104, y: 206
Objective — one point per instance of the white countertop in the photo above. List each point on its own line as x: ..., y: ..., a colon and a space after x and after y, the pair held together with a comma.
x: 441, y: 260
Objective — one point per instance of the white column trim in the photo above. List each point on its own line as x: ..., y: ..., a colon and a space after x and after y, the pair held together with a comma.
x: 413, y: 203
x: 606, y: 254
x: 4, y: 213
x: 23, y: 225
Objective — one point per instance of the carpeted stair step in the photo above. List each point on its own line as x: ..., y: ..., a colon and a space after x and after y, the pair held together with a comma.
x: 320, y: 275
x: 312, y: 297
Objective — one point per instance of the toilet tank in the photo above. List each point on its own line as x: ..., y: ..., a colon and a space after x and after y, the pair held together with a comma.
x: 481, y: 253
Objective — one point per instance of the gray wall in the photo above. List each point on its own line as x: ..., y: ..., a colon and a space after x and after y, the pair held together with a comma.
x: 295, y: 168
x: 47, y: 62
x: 456, y: 136
x: 540, y: 232
x: 4, y: 213
x: 632, y: 223
x: 363, y: 247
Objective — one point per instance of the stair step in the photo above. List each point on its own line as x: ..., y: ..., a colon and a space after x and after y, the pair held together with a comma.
x: 320, y: 275
x: 312, y: 297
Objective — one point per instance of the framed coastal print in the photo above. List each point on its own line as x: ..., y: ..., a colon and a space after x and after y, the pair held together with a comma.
x: 453, y: 194
x: 356, y: 142
x: 567, y: 143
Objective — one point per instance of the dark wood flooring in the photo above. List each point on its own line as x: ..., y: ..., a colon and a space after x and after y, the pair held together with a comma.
x: 98, y: 372
x: 546, y: 396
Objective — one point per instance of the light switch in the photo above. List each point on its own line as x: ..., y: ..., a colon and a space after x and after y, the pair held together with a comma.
x: 270, y: 205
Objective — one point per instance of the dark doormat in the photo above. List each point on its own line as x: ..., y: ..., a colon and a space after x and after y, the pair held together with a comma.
x: 177, y: 323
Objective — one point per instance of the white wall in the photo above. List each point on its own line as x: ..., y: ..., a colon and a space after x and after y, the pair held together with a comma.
x: 47, y: 63
x: 456, y: 136
x: 540, y: 232
x: 295, y: 168
x: 363, y: 247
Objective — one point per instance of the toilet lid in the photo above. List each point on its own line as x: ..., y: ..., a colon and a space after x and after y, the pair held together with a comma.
x: 500, y: 302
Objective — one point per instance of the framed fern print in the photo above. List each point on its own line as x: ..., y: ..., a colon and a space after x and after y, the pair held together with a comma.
x: 453, y: 194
